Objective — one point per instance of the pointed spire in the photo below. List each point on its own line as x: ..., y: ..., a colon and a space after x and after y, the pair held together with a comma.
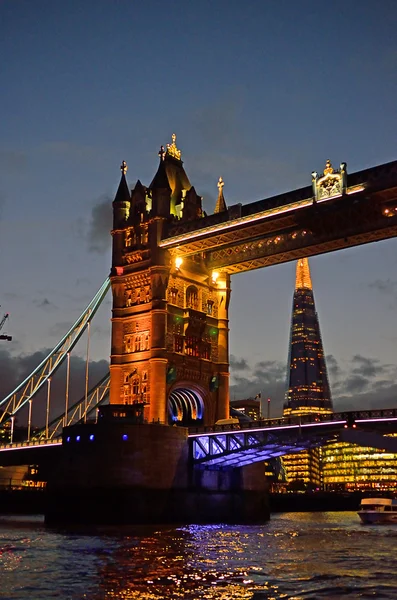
x: 160, y: 180
x: 303, y: 279
x: 220, y: 203
x: 123, y: 193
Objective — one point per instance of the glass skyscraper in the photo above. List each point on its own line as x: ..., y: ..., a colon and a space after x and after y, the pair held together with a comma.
x: 308, y: 388
x: 336, y: 466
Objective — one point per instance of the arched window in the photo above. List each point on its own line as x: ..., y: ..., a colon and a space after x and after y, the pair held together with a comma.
x: 192, y: 297
x: 137, y: 343
x: 128, y: 343
x: 135, y: 387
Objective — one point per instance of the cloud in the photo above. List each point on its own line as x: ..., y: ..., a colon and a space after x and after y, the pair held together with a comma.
x: 358, y: 383
x: 45, y: 304
x: 266, y: 377
x: 333, y: 367
x: 238, y: 364
x: 100, y: 225
x: 385, y: 287
x: 15, y: 369
x: 367, y: 367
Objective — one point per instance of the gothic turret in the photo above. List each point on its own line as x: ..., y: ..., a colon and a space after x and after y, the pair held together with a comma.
x: 160, y: 189
x: 122, y: 199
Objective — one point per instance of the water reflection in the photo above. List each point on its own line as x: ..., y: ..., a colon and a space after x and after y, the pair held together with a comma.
x: 295, y: 556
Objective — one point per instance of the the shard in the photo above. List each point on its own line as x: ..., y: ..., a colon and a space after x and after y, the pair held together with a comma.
x: 308, y: 388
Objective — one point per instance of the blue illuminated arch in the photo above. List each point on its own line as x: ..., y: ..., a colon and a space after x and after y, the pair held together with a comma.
x: 185, y: 407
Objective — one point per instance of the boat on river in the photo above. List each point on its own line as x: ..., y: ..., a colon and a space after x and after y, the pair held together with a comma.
x: 378, y: 510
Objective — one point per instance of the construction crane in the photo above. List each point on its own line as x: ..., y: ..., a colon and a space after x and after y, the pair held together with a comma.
x: 4, y: 336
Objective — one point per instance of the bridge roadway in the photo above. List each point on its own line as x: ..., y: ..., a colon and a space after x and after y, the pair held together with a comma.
x: 238, y: 445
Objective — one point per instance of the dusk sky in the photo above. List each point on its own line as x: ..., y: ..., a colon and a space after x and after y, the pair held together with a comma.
x: 258, y: 92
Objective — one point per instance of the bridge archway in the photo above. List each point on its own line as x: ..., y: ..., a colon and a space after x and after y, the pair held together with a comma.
x: 185, y: 406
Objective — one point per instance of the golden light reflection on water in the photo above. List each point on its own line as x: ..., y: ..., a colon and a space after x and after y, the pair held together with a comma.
x: 295, y: 556
x: 192, y: 562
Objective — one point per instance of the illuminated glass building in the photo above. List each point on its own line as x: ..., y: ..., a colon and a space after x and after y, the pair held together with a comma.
x: 308, y: 388
x: 337, y: 466
x: 347, y: 467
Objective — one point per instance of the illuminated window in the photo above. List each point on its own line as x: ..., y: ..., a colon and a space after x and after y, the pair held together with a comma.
x: 178, y: 343
x: 173, y: 296
x: 138, y: 343
x: 192, y: 297
x: 192, y: 346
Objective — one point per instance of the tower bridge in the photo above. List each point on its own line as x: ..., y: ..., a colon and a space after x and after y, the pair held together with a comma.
x: 171, y: 285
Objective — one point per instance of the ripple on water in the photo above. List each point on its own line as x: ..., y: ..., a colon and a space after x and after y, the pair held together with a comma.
x: 295, y: 556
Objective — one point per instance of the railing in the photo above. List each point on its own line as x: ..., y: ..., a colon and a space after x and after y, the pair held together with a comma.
x: 33, y: 444
x: 349, y: 416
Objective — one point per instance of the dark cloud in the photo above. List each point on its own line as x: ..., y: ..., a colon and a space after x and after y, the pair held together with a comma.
x: 238, y: 364
x: 333, y: 367
x: 45, y: 304
x: 356, y: 384
x: 359, y: 383
x: 367, y: 367
x: 268, y: 379
x: 98, y: 236
x: 387, y: 287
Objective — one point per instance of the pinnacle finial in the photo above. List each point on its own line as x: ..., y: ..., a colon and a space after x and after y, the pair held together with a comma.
x: 303, y: 279
x: 172, y: 150
x: 220, y: 203
x: 328, y: 168
x: 161, y: 153
x: 123, y: 167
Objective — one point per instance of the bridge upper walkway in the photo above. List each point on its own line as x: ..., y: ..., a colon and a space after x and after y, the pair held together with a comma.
x: 234, y: 445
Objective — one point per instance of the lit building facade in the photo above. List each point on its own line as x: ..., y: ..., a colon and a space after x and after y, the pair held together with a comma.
x: 249, y: 407
x: 347, y: 467
x: 308, y: 387
x: 170, y: 316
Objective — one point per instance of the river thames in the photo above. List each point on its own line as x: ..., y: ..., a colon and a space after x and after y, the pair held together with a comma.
x: 294, y: 556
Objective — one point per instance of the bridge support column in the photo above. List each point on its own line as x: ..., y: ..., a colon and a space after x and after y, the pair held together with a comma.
x: 223, y: 346
x: 158, y: 391
x: 116, y: 472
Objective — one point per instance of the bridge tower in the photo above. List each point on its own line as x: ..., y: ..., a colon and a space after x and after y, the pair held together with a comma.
x: 170, y: 317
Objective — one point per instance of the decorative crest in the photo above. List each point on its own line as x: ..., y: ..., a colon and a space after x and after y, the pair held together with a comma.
x: 331, y: 184
x: 328, y: 168
x: 221, y: 183
x: 172, y: 150
x: 123, y: 167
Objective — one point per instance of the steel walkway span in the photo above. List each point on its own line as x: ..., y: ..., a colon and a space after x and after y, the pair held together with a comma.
x: 222, y: 446
x: 26, y: 390
x: 225, y: 446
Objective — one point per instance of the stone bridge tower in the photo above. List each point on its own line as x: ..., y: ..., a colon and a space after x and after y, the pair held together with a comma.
x: 170, y: 317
